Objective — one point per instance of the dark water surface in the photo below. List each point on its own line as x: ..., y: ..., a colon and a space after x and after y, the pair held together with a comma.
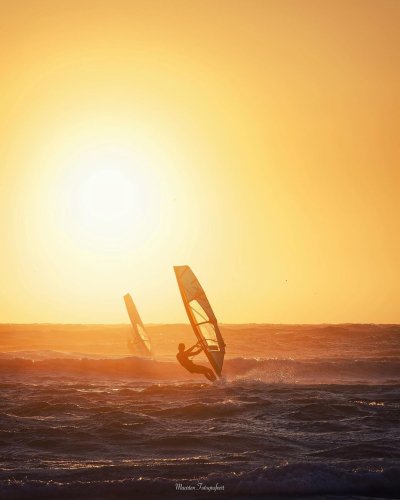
x: 76, y: 426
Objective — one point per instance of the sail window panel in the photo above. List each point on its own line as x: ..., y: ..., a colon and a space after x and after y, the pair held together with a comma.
x: 144, y: 336
x: 142, y: 332
x: 199, y: 313
x: 210, y: 336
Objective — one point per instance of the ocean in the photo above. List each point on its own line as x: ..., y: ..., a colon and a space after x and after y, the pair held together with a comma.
x: 302, y: 411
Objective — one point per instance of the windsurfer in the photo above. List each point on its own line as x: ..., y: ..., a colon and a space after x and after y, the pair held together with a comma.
x: 183, y: 358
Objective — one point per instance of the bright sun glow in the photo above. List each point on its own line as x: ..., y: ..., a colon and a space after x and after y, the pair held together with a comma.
x: 110, y: 194
x: 104, y: 216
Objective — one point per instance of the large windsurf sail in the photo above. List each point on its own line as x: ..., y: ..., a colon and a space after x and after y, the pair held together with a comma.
x: 138, y: 341
x: 201, y: 316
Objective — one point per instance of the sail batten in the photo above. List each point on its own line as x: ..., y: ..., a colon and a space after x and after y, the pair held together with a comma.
x: 201, y: 317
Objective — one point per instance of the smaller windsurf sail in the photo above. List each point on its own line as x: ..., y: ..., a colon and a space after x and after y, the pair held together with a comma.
x: 138, y: 341
x: 201, y: 317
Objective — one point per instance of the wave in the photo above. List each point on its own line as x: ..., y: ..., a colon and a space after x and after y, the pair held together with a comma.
x: 203, y: 410
x: 378, y: 370
x: 285, y: 371
x: 299, y: 479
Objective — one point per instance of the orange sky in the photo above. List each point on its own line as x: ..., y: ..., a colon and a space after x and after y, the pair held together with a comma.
x: 256, y: 141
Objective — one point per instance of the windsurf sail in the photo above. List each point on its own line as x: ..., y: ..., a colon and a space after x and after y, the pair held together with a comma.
x: 201, y: 317
x: 138, y: 341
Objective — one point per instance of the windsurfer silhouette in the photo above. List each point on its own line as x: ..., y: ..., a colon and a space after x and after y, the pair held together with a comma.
x: 183, y: 358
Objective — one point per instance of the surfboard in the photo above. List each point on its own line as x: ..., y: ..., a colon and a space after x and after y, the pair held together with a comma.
x: 201, y: 317
x: 138, y: 341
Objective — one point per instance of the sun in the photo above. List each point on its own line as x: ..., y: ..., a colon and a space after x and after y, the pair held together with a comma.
x: 104, y: 201
x: 109, y: 195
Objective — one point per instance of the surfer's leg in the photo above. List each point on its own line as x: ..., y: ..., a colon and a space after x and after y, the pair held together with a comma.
x: 204, y: 371
x: 210, y: 375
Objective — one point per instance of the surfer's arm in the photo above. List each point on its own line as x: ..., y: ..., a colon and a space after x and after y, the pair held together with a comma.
x: 195, y: 353
x: 191, y: 349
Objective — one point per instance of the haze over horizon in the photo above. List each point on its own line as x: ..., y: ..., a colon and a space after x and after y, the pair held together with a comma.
x: 259, y: 145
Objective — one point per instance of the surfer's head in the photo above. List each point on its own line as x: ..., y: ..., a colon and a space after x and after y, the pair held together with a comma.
x: 181, y: 347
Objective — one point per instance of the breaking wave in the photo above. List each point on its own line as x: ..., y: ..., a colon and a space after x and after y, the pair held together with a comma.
x: 368, y: 370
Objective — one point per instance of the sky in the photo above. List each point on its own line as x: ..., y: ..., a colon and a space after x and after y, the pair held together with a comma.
x: 256, y: 141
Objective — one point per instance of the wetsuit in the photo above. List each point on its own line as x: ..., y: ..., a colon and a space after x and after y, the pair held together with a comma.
x: 187, y: 363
